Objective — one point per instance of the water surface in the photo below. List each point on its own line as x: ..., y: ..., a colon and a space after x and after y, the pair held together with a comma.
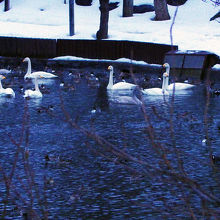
x: 83, y: 182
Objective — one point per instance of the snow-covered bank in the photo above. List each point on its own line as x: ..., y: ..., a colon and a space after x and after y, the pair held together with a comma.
x: 49, y: 19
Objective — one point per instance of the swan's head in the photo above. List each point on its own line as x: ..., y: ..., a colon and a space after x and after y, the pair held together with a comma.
x: 166, y: 65
x: 110, y: 68
x: 26, y: 59
x: 2, y: 77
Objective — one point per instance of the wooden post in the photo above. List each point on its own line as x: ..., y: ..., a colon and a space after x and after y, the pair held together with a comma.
x: 71, y: 17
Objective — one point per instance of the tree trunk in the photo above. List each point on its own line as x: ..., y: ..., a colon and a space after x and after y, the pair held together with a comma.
x: 161, y: 10
x: 71, y: 17
x: 7, y: 5
x: 102, y: 33
x: 127, y: 8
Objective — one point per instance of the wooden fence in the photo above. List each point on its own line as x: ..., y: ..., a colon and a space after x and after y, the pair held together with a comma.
x: 95, y: 49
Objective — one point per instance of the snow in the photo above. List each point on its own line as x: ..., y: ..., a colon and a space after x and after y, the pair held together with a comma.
x: 121, y: 60
x: 49, y: 19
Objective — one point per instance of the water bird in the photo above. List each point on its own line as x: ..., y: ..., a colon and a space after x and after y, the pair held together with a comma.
x: 119, y: 85
x: 42, y: 109
x: 176, y: 85
x: 95, y: 110
x: 56, y: 159
x: 216, y: 92
x: 5, y: 71
x: 158, y: 91
x: 34, y: 93
x: 44, y: 89
x: 30, y: 75
x: 93, y: 81
x: 204, y: 141
x: 62, y: 84
x: 76, y: 76
x: 52, y: 158
x: 50, y: 181
x: 67, y: 86
x: 215, y: 159
x: 5, y: 92
x: 126, y: 100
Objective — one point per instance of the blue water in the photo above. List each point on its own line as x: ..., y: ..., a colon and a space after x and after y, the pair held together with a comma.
x: 85, y: 181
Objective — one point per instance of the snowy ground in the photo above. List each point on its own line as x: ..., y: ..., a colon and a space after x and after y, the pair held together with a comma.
x: 49, y: 19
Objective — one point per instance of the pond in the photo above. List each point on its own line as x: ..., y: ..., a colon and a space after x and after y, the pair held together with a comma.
x: 64, y: 173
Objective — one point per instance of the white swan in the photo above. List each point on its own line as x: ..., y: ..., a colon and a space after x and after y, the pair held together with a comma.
x: 5, y: 92
x: 176, y: 85
x: 34, y: 93
x: 126, y: 100
x: 30, y: 75
x: 119, y: 85
x: 158, y: 91
x: 5, y: 71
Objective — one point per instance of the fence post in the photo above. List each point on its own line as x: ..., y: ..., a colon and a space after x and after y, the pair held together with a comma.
x: 71, y: 17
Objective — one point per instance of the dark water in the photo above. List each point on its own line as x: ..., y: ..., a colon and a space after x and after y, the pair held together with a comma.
x: 83, y: 182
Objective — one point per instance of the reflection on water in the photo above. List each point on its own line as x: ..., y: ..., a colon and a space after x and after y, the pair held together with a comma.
x: 81, y: 184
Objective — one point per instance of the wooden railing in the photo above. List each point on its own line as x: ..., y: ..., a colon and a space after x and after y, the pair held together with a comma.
x: 95, y: 49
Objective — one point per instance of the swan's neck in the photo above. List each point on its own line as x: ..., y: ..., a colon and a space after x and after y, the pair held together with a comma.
x: 1, y: 85
x: 164, y: 83
x: 167, y: 78
x: 36, y: 85
x: 110, y: 82
x: 29, y: 68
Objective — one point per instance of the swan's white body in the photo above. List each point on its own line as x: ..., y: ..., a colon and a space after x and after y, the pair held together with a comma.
x: 179, y: 86
x: 119, y: 85
x: 30, y: 75
x: 34, y: 93
x: 126, y: 100
x: 5, y: 92
x: 176, y: 85
x: 158, y: 91
x: 4, y: 71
